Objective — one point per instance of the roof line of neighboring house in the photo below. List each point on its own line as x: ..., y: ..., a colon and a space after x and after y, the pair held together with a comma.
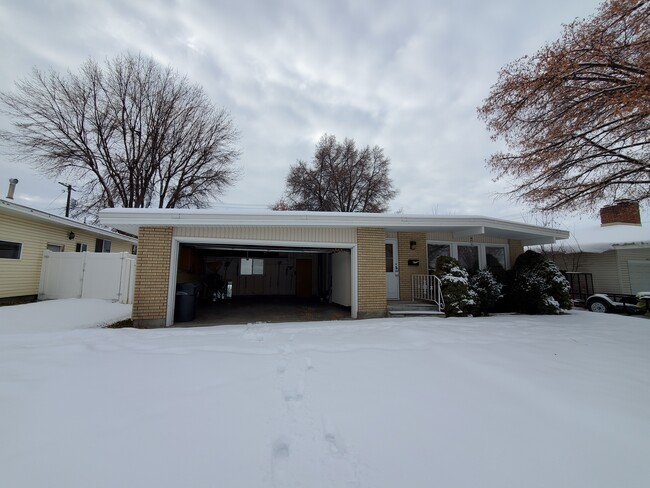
x: 48, y: 217
x: 129, y: 219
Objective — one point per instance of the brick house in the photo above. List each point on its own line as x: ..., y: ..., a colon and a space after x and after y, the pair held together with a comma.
x: 362, y: 262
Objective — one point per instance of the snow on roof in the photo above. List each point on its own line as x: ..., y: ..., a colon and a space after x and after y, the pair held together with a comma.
x: 596, y: 238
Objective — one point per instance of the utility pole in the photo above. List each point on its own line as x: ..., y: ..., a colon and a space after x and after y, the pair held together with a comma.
x: 67, y: 205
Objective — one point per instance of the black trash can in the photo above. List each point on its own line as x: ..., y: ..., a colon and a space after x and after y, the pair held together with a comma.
x: 186, y: 296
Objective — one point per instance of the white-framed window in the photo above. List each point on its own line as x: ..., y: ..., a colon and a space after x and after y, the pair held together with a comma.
x: 471, y: 256
x: 10, y: 250
x: 250, y: 266
x: 495, y: 255
x: 55, y: 247
x: 81, y: 247
x: 102, y: 245
x: 468, y: 256
x: 436, y: 250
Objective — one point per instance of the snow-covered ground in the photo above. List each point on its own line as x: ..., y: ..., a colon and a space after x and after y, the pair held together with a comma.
x: 505, y: 401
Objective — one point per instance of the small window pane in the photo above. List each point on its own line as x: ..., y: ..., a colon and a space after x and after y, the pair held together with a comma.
x: 10, y: 250
x: 468, y: 258
x: 495, y: 256
x: 389, y: 258
x: 81, y: 247
x: 251, y: 266
x: 246, y: 266
x: 435, y: 251
x: 102, y: 245
x: 55, y: 247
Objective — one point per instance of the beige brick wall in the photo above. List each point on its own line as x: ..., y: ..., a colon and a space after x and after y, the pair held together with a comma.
x: 515, y: 249
x: 371, y: 253
x: 404, y: 254
x: 152, y: 277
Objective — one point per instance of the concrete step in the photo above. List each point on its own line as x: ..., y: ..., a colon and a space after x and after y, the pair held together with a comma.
x: 414, y: 308
x: 416, y: 313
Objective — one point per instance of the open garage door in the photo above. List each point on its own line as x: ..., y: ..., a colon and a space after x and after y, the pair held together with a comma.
x: 233, y: 284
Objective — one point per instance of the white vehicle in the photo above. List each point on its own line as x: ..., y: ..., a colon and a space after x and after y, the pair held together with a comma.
x: 610, y: 302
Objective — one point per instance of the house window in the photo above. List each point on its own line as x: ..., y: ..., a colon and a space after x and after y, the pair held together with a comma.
x: 252, y: 267
x: 102, y: 245
x: 468, y: 257
x: 495, y: 256
x: 434, y: 252
x: 54, y: 247
x: 10, y: 250
x: 81, y: 247
x: 472, y: 257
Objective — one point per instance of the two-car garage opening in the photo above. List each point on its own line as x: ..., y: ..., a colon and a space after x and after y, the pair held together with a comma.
x: 229, y: 283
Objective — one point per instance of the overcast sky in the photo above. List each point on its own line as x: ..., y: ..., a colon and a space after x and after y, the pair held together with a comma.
x: 404, y: 75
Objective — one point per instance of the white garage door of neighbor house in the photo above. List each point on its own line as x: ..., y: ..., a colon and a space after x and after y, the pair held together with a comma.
x: 639, y: 275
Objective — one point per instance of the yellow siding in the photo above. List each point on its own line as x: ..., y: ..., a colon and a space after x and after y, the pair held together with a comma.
x: 20, y: 277
x: 625, y: 255
x: 293, y: 234
x: 602, y: 266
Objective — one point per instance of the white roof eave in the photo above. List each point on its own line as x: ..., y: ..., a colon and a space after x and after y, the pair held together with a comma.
x: 129, y: 220
x: 43, y: 216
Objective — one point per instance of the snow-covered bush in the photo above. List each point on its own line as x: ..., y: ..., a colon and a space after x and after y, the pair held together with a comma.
x: 459, y: 299
x: 539, y: 287
x: 487, y: 290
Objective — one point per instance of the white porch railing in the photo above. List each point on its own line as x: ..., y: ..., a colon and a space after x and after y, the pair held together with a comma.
x: 427, y: 288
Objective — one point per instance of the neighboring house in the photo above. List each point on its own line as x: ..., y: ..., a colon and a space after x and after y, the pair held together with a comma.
x: 26, y: 232
x: 615, y: 253
x: 359, y: 261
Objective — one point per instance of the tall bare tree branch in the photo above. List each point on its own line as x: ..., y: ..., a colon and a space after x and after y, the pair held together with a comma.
x: 130, y: 133
x: 340, y: 178
x: 575, y: 116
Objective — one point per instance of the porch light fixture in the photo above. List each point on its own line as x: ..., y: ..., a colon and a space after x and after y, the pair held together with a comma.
x: 71, y: 235
x: 412, y: 245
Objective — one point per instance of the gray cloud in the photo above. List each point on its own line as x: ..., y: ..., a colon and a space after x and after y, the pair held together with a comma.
x: 406, y: 76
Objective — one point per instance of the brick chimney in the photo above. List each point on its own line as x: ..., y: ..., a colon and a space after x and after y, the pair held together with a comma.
x: 622, y: 212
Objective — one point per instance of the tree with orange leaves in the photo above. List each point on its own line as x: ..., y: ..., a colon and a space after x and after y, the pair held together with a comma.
x: 575, y: 117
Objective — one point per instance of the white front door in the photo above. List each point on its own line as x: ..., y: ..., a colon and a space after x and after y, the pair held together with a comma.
x: 392, y: 271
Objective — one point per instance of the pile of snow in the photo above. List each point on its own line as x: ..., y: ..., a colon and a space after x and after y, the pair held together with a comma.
x: 505, y: 401
x: 57, y: 315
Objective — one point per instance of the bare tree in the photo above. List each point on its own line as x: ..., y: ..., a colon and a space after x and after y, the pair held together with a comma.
x: 340, y: 178
x: 576, y: 115
x: 130, y: 133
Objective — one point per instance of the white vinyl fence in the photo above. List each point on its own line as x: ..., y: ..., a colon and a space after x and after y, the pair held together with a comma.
x: 110, y: 276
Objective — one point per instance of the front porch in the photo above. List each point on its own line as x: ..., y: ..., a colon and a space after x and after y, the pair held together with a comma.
x: 426, y: 298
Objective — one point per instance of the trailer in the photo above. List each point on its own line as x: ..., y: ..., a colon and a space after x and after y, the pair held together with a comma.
x: 615, y: 302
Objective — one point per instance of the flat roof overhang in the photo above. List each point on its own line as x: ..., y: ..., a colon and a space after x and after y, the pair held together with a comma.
x: 129, y: 220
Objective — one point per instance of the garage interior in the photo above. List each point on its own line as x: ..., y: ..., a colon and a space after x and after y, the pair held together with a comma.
x: 230, y: 284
